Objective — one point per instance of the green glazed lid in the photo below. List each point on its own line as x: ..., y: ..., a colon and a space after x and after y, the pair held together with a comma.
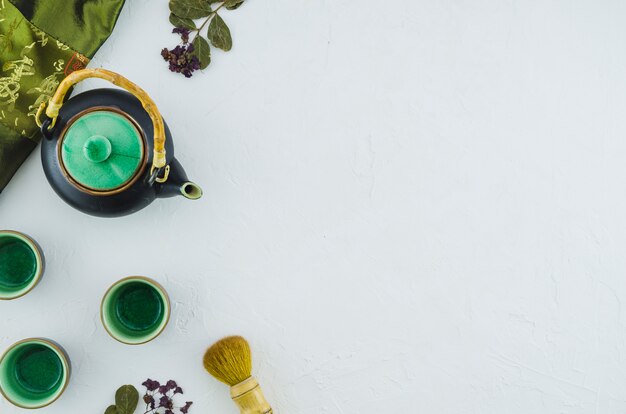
x: 102, y: 150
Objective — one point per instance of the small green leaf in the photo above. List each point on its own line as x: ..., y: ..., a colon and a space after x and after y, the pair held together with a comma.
x: 233, y: 4
x: 190, y: 9
x: 126, y: 399
x: 111, y: 410
x: 202, y: 50
x: 219, y: 34
x: 181, y: 22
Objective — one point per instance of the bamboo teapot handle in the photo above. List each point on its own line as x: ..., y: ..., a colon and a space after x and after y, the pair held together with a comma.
x: 56, y: 102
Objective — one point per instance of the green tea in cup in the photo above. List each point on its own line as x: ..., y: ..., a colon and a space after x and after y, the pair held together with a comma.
x: 34, y: 373
x: 135, y: 310
x: 21, y: 264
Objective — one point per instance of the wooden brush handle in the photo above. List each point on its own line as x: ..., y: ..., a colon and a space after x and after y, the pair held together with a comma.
x: 249, y: 397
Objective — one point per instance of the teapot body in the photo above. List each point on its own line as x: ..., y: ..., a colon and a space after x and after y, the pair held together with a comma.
x: 141, y: 187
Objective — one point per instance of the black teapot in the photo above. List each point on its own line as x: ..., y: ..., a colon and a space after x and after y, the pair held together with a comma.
x: 108, y: 152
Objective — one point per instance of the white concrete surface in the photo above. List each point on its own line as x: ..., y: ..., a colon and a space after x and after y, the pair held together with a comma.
x: 416, y: 207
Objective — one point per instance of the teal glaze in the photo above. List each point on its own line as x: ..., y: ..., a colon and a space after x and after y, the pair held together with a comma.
x: 138, y: 307
x: 34, y: 373
x: 102, y: 150
x: 18, y: 263
x: 21, y: 264
x: 38, y: 370
x: 135, y: 310
x: 97, y: 148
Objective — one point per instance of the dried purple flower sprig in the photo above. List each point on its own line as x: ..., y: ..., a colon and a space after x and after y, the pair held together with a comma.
x: 190, y: 56
x: 182, y: 58
x: 159, y: 398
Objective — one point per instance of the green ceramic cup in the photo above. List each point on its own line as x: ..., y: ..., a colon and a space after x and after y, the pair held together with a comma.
x: 135, y: 310
x: 34, y: 373
x: 21, y: 264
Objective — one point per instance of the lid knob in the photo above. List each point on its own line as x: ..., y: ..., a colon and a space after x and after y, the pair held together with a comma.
x: 97, y: 148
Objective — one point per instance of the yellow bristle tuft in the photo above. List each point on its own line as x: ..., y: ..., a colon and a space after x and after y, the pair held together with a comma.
x: 229, y: 360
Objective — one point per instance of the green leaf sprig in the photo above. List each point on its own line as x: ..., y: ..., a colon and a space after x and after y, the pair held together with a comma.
x: 196, y: 54
x: 126, y: 400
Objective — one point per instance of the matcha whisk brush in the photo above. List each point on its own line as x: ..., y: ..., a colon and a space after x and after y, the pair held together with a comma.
x: 230, y: 361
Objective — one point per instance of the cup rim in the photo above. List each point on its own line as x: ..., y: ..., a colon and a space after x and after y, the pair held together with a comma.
x: 59, y: 351
x: 150, y: 282
x: 32, y: 244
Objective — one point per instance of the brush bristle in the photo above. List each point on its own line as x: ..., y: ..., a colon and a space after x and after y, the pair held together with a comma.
x: 229, y: 360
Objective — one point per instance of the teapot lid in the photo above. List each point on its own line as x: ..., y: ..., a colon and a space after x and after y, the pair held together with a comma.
x: 102, y: 150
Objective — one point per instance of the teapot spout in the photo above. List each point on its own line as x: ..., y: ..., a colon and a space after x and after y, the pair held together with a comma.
x: 178, y: 184
x: 191, y: 190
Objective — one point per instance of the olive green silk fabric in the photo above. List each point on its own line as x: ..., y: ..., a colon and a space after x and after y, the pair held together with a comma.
x: 81, y: 24
x: 41, y: 42
x: 14, y: 149
x: 33, y: 64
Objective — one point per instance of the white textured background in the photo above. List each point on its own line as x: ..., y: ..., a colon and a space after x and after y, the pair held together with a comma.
x: 410, y: 207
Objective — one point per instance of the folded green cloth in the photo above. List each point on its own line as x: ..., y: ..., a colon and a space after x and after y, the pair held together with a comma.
x: 41, y: 42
